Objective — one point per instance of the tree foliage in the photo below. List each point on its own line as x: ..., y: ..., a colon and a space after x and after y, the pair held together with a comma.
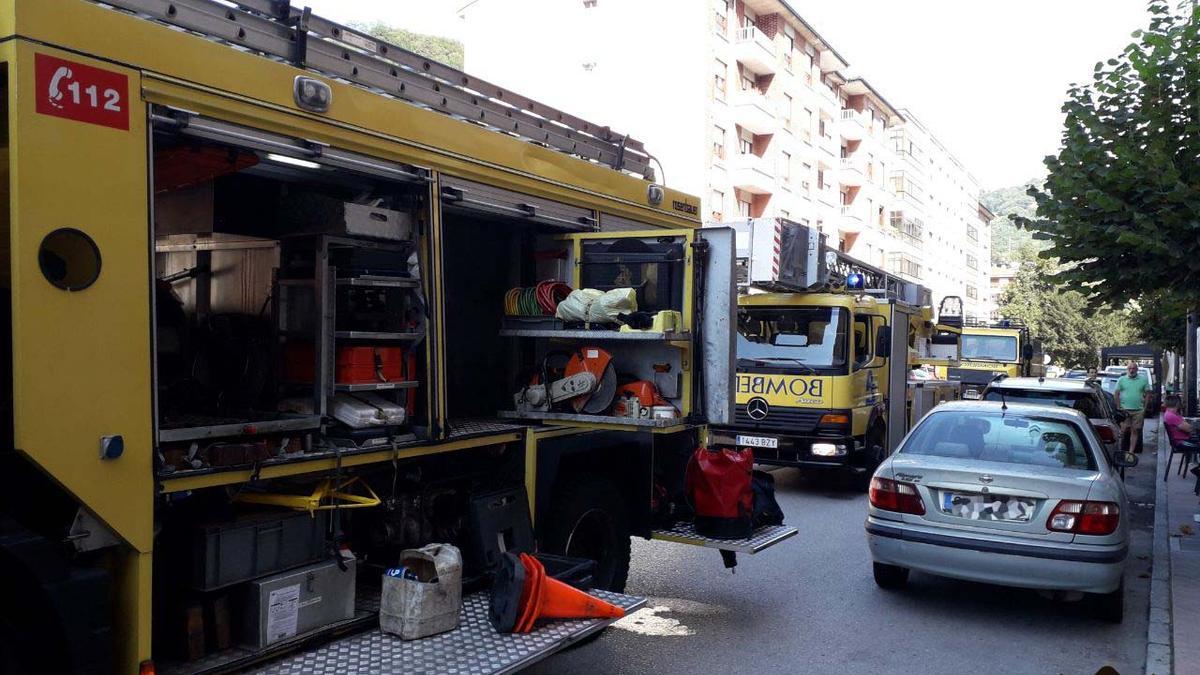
x: 1162, y: 320
x: 1121, y: 204
x: 1007, y: 239
x: 444, y: 50
x: 1070, y: 332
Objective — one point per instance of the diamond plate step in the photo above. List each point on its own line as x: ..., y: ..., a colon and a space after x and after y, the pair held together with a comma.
x: 474, y: 648
x: 763, y: 537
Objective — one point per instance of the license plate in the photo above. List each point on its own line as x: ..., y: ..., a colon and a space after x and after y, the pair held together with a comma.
x: 758, y: 441
x: 987, y: 507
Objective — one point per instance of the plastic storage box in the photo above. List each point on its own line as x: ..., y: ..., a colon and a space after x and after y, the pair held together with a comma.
x: 255, y: 546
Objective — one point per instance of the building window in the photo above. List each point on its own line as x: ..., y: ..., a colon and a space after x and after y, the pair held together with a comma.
x: 743, y: 208
x: 747, y: 82
x: 787, y: 111
x: 972, y: 293
x: 718, y: 143
x: 820, y: 179
x: 821, y: 128
x: 719, y: 84
x: 972, y: 233
x: 972, y: 262
x: 785, y: 167
x: 717, y: 205
x: 745, y: 142
x: 720, y: 22
x: 806, y: 120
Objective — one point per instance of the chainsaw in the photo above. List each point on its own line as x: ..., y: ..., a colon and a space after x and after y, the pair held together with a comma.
x: 588, y: 384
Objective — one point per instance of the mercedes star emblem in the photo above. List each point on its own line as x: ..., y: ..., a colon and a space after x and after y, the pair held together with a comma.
x: 985, y: 478
x: 757, y: 408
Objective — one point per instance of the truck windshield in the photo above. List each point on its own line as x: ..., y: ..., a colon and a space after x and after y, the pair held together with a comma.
x: 788, y: 336
x: 989, y: 347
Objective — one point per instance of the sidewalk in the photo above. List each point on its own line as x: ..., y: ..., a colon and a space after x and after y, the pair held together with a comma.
x: 1176, y: 573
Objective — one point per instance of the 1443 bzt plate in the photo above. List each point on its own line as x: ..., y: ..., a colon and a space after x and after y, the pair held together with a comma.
x: 758, y: 441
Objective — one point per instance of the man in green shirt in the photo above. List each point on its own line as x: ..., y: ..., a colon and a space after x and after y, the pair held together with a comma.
x: 1131, y: 394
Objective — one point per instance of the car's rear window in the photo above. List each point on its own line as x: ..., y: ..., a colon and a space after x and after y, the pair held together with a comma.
x: 1006, y: 437
x: 1083, y: 401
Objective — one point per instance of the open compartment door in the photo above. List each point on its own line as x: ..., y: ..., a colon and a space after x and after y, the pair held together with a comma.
x: 898, y: 367
x: 716, y: 357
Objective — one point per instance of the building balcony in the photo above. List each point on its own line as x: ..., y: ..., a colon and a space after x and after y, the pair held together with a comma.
x: 754, y: 113
x: 851, y: 172
x: 751, y: 173
x: 755, y: 50
x: 851, y: 219
x: 828, y: 95
x: 827, y: 196
x: 852, y: 125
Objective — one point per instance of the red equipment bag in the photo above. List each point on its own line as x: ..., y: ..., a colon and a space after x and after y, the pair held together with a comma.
x: 718, y: 486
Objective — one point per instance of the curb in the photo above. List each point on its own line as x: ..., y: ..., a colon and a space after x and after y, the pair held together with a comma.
x: 1159, y: 652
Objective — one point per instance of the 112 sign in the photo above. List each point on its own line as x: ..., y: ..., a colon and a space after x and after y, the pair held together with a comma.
x: 80, y: 92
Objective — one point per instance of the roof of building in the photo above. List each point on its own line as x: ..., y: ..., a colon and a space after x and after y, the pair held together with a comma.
x: 859, y: 86
x: 811, y: 33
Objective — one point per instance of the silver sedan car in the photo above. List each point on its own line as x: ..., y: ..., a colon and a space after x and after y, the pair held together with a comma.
x: 1010, y: 494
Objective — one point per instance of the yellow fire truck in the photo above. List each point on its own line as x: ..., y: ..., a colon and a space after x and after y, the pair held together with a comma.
x: 282, y: 298
x: 993, y: 348
x: 825, y: 348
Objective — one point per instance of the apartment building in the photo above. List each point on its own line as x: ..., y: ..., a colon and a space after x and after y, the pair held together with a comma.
x: 747, y: 105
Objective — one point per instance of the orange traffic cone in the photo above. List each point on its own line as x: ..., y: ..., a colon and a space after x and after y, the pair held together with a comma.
x: 522, y: 594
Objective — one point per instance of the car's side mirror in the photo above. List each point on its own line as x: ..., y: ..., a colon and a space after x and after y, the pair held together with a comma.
x: 883, y: 343
x: 1027, y: 352
x: 1125, y: 460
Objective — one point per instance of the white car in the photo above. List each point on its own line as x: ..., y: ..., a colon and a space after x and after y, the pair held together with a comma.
x: 1009, y: 494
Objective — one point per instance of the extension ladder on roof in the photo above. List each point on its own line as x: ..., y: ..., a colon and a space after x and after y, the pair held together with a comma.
x: 276, y: 29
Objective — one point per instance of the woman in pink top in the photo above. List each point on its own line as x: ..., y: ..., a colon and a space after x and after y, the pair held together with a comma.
x: 1181, y: 433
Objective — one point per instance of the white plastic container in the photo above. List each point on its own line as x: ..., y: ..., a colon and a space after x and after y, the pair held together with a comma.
x: 428, y: 604
x: 359, y: 411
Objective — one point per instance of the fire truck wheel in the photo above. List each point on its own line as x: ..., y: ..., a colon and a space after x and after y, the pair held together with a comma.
x: 589, y: 520
x: 873, y: 454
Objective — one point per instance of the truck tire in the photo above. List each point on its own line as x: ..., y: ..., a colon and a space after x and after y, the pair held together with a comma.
x: 588, y: 519
x: 873, y: 455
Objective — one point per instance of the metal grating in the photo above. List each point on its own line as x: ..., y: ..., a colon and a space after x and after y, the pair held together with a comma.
x: 277, y: 30
x: 763, y: 537
x: 784, y: 420
x: 474, y: 648
x: 470, y: 427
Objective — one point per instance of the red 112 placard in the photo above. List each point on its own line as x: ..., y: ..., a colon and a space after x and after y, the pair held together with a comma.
x: 82, y: 93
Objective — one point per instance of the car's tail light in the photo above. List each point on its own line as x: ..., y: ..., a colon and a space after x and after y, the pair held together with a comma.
x: 1106, y: 433
x: 1094, y: 518
x: 894, y: 495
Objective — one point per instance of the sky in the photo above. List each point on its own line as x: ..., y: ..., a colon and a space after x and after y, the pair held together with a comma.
x: 987, y: 77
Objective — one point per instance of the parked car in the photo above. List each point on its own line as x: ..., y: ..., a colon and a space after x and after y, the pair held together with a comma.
x: 1076, y: 374
x: 1011, y: 494
x: 1079, y: 395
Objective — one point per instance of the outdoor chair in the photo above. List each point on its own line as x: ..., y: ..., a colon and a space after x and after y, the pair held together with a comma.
x: 1187, y: 451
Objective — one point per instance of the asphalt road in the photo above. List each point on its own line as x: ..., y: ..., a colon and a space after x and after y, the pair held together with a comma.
x: 810, y: 605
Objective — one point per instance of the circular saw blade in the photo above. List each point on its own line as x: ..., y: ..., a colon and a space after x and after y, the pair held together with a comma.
x: 602, y: 398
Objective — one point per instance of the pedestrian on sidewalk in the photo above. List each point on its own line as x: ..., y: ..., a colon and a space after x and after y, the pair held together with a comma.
x: 1131, y: 395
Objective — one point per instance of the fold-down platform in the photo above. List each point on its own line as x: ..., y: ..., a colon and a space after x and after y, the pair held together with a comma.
x: 763, y: 537
x: 474, y: 648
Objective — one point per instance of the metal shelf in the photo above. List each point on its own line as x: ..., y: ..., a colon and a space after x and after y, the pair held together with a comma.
x: 764, y: 537
x: 247, y: 428
x: 595, y: 335
x: 376, y: 335
x: 377, y: 386
x: 593, y: 419
x: 380, y: 282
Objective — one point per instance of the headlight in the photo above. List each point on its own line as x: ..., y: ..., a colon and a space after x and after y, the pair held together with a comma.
x: 828, y: 450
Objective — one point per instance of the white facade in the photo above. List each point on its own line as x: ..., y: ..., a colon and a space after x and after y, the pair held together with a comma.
x: 746, y: 106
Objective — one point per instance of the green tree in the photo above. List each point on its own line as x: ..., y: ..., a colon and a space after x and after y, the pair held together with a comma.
x: 1008, y: 203
x: 1161, y: 319
x: 1121, y: 205
x: 442, y: 49
x: 1070, y: 332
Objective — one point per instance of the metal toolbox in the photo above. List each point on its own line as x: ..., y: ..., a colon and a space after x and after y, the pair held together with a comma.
x: 293, y: 603
x: 250, y: 547
x: 317, y: 214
